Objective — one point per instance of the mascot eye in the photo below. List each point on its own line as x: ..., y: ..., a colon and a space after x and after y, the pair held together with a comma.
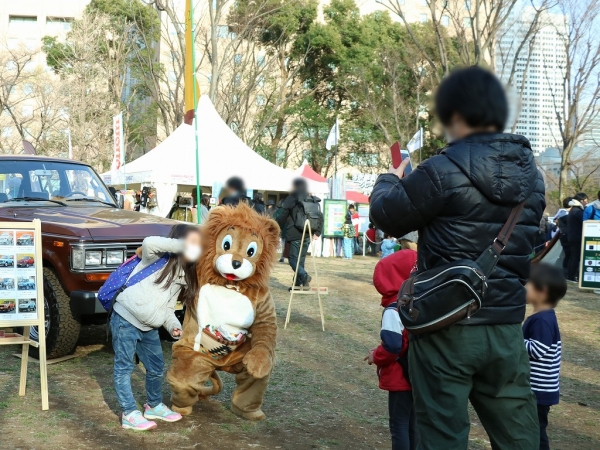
x: 227, y: 241
x: 251, y: 250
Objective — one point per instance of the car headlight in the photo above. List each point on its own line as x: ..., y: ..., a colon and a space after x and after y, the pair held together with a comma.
x: 93, y: 257
x: 78, y: 258
x: 114, y: 257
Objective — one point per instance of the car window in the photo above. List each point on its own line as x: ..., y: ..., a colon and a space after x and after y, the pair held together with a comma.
x: 10, y: 183
x: 53, y: 180
x: 48, y: 181
x: 82, y: 181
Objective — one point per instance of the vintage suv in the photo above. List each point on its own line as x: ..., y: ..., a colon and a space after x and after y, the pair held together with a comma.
x: 85, y: 236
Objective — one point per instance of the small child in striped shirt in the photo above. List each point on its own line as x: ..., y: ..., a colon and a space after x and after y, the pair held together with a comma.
x: 546, y: 286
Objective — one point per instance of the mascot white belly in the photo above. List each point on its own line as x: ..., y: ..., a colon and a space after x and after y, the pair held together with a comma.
x: 224, y: 315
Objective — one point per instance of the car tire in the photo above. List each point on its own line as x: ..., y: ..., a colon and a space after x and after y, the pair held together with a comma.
x: 63, y: 329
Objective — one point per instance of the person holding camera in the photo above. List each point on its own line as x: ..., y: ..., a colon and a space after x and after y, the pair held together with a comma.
x: 479, y: 200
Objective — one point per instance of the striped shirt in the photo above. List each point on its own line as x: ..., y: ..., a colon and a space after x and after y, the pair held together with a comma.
x: 542, y: 341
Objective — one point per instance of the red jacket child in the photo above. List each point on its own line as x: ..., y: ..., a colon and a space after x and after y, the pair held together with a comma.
x: 391, y: 355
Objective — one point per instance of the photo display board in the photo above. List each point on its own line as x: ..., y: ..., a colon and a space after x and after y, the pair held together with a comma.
x: 18, y: 276
x: 334, y: 212
x: 22, y: 294
x: 589, y: 270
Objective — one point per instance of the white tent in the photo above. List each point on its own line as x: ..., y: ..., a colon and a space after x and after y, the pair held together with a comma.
x: 221, y: 155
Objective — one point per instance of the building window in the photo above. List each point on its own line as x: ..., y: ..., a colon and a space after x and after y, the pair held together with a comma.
x: 222, y: 31
x: 467, y: 22
x: 57, y: 25
x: 468, y: 5
x: 445, y: 20
x: 234, y: 127
x: 423, y: 2
x: 423, y: 18
x: 22, y: 22
x: 237, y: 58
x: 260, y: 100
x: 6, y: 132
x: 260, y: 59
x: 11, y: 65
x: 28, y: 89
x: 260, y: 81
x: 27, y: 111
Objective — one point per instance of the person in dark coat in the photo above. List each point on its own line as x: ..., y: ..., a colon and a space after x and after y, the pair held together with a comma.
x: 575, y: 230
x: 235, y: 189
x: 270, y: 209
x: 561, y: 219
x: 459, y: 200
x: 285, y: 216
x: 259, y: 203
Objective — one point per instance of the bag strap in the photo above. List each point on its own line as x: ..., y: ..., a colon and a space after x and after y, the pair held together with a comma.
x: 489, y: 258
x: 155, y: 266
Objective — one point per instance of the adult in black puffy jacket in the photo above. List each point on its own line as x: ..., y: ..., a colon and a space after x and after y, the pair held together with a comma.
x: 575, y: 232
x: 458, y: 201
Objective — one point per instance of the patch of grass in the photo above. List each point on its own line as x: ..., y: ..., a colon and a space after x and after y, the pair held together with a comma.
x: 321, y: 394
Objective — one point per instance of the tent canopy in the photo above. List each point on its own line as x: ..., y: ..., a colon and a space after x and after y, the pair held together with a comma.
x: 356, y: 197
x: 221, y: 155
x: 308, y: 172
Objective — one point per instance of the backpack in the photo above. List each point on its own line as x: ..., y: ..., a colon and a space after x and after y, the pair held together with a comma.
x: 119, y: 280
x: 308, y: 209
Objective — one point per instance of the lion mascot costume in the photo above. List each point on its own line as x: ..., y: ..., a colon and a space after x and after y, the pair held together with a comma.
x: 233, y: 327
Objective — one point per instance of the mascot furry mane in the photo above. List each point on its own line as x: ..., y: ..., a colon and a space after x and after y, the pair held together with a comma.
x: 244, y: 224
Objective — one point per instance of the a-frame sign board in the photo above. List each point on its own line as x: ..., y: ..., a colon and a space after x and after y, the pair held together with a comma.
x: 22, y: 294
x: 295, y: 290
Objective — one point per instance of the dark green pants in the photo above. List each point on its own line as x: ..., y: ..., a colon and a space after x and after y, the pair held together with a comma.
x: 486, y: 364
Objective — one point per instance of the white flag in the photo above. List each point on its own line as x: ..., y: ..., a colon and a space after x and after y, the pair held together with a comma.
x: 416, y: 142
x: 118, y: 148
x: 334, y: 136
x: 70, y: 146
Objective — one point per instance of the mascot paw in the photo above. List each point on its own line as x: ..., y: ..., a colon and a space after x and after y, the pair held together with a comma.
x: 185, y: 411
x: 250, y: 415
x: 258, y: 362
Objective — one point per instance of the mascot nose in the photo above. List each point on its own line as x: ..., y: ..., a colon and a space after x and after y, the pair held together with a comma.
x: 236, y: 264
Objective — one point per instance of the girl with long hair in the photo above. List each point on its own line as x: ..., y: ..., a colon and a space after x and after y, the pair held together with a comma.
x: 141, y: 309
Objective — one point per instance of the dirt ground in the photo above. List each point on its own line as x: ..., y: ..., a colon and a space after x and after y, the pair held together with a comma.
x: 321, y: 396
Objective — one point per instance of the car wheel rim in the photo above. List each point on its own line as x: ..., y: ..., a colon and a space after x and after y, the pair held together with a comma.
x: 33, y: 331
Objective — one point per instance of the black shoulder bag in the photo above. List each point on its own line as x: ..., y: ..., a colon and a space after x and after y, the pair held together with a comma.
x: 452, y: 292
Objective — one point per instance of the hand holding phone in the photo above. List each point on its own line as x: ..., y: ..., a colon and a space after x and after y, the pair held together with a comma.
x: 401, y: 164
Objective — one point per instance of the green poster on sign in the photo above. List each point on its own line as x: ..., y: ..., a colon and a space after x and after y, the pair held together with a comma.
x: 589, y: 270
x: 334, y: 212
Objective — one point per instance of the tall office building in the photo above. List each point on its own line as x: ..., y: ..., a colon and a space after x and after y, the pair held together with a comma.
x: 537, y: 79
x: 28, y: 21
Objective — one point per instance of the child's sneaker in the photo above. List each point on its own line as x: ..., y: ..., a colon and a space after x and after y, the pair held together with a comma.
x: 136, y: 421
x: 161, y: 412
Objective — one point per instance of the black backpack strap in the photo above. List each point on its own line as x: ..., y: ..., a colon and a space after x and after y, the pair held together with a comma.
x: 489, y: 258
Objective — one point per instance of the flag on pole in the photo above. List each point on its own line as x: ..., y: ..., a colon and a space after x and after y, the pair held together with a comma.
x: 416, y: 142
x: 70, y: 146
x: 190, y: 95
x: 334, y: 135
x: 118, y: 149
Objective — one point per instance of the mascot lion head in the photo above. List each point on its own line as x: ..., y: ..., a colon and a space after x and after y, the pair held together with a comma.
x: 239, y: 247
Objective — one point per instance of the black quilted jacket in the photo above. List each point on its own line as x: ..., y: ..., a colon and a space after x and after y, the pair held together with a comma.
x: 459, y: 200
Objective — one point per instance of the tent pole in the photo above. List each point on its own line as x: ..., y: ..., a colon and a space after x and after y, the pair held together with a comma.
x: 198, y: 192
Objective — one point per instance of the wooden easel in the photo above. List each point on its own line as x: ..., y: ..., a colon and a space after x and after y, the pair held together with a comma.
x: 298, y: 289
x: 24, y: 340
